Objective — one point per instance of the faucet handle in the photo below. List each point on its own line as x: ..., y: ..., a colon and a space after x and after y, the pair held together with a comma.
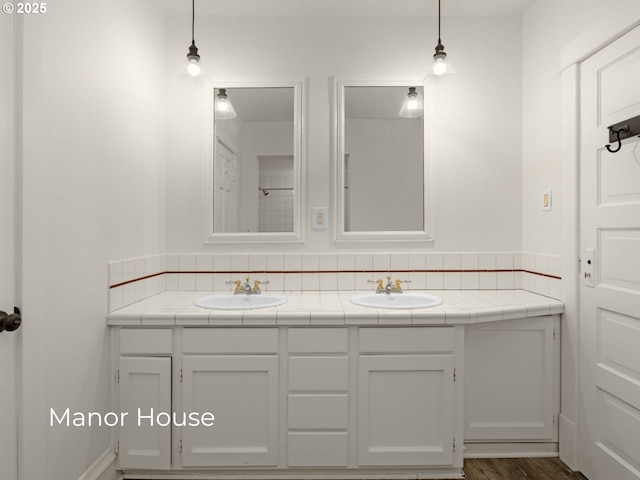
x: 378, y: 283
x: 398, y: 285
x: 237, y: 283
x: 257, y: 283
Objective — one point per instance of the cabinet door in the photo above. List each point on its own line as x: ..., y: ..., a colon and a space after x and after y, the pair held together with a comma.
x: 144, y: 384
x: 509, y: 380
x: 242, y: 393
x: 405, y: 410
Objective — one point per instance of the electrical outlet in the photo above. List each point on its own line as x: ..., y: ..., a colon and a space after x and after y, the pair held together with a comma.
x: 319, y: 218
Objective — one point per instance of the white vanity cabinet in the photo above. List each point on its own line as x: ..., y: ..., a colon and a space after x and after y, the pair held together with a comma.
x: 144, y: 385
x: 511, y: 381
x: 232, y: 373
x: 406, y: 396
x: 318, y: 397
x: 343, y: 401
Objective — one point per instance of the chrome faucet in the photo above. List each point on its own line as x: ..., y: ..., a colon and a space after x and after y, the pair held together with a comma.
x: 245, y: 287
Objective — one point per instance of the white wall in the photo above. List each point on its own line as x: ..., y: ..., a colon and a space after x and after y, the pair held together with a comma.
x: 91, y: 143
x: 475, y: 137
x: 548, y: 25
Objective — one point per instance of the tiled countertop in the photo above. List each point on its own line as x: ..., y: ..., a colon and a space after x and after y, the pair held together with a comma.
x: 334, y: 308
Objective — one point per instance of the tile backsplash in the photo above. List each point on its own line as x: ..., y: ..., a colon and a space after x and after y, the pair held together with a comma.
x: 135, y: 279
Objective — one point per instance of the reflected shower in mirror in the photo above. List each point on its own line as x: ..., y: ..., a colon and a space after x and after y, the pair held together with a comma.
x: 256, y: 164
x: 383, y: 158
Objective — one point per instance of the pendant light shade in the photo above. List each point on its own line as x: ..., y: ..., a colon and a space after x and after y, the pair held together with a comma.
x: 441, y: 69
x: 413, y: 106
x: 223, y: 108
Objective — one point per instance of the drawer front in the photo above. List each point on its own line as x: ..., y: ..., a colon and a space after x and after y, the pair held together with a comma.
x: 146, y: 341
x: 318, y: 373
x: 407, y: 340
x: 318, y: 411
x: 230, y: 340
x: 317, y: 449
x: 318, y: 340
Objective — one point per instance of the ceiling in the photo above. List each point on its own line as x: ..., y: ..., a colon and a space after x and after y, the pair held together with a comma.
x: 473, y: 8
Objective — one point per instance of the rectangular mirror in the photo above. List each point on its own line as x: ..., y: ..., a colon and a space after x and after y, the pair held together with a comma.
x: 380, y: 167
x: 255, y: 163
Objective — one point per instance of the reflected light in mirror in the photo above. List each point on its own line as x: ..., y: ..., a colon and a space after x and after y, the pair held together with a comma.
x: 224, y: 108
x: 413, y: 106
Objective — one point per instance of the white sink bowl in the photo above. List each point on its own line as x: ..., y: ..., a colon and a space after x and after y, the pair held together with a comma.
x: 396, y: 301
x: 230, y: 301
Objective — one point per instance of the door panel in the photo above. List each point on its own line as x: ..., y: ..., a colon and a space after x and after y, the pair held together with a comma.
x: 610, y: 283
x: 619, y: 88
x: 405, y: 410
x: 509, y: 380
x: 242, y: 393
x: 145, y: 384
x: 619, y: 258
x: 619, y: 176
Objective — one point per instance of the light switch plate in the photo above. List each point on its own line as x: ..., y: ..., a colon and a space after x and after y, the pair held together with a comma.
x: 546, y: 200
x: 319, y: 218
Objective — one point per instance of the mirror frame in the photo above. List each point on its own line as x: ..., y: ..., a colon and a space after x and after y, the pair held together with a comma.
x: 342, y: 236
x: 299, y: 165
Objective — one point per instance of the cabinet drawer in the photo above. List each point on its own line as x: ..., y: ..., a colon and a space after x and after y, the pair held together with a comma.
x: 146, y: 341
x: 318, y: 373
x: 230, y: 340
x: 317, y: 449
x: 318, y: 411
x: 407, y: 340
x: 318, y: 340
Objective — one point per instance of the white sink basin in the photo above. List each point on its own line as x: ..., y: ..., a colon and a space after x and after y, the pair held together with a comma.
x: 230, y: 301
x: 396, y: 300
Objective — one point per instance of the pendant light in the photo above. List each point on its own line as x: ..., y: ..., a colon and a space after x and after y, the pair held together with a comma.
x: 193, y: 65
x: 413, y: 106
x: 223, y: 108
x: 441, y: 69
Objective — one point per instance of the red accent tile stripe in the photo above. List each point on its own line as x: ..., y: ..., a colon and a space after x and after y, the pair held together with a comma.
x: 137, y: 279
x: 274, y: 272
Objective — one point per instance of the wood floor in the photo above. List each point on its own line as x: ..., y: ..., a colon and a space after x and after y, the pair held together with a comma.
x: 518, y: 468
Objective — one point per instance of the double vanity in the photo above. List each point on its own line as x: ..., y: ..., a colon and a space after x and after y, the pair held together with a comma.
x: 316, y: 385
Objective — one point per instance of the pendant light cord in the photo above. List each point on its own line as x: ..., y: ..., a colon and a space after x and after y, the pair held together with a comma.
x: 439, y: 41
x: 193, y: 21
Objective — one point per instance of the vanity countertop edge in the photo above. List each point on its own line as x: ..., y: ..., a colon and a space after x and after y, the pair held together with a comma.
x: 324, y: 308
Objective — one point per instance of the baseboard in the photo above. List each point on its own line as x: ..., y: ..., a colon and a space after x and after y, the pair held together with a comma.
x: 568, y: 431
x: 100, y: 466
x: 510, y: 450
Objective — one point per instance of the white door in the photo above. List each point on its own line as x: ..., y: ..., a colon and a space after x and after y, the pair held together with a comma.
x: 224, y: 184
x: 610, y: 266
x: 8, y: 418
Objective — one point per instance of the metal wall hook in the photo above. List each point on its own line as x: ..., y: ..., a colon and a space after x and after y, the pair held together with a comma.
x: 617, y: 133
